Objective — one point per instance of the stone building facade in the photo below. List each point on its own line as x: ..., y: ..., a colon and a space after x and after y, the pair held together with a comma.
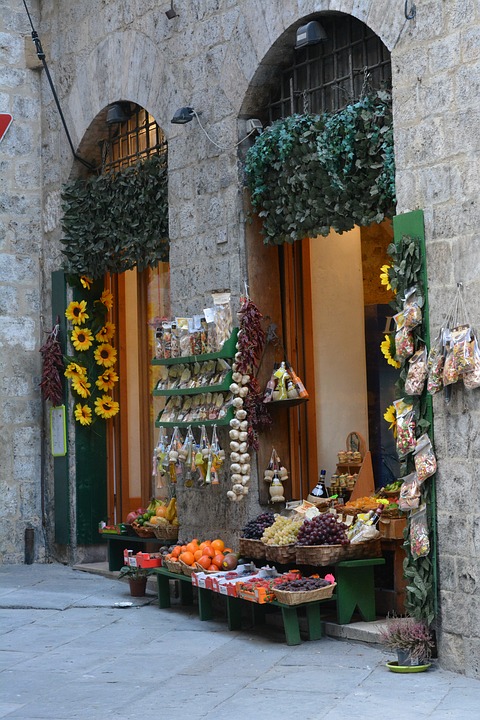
x: 217, y: 56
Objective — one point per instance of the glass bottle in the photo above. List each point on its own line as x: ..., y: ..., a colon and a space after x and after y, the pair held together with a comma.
x: 320, y: 489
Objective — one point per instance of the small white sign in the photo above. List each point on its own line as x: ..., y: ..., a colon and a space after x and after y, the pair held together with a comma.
x: 58, y: 431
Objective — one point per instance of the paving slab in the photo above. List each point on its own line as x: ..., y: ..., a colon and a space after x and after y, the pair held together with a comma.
x: 72, y: 649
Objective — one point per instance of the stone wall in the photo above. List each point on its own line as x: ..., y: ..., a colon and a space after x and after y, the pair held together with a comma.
x: 217, y: 56
x: 21, y: 323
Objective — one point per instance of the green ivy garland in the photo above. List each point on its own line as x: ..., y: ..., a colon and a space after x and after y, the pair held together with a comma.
x: 310, y: 173
x: 115, y: 222
x: 405, y: 273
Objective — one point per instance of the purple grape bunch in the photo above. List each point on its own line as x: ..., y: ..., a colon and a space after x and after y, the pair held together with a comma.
x: 304, y: 583
x: 323, y: 530
x: 253, y: 530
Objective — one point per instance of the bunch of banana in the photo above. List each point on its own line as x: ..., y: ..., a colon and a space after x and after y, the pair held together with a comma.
x: 153, y: 505
x: 172, y: 511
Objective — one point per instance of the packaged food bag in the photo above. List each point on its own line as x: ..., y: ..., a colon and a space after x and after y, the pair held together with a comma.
x: 417, y: 372
x: 412, y: 312
x: 435, y: 364
x: 405, y: 428
x: 471, y: 379
x: 419, y: 539
x: 461, y: 338
x: 424, y: 457
x: 409, y: 497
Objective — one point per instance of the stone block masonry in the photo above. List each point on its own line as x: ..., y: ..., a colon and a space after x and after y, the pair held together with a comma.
x: 21, y: 324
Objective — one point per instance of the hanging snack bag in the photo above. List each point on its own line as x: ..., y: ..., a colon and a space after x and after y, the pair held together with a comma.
x: 463, y: 348
x: 419, y: 540
x: 404, y: 346
x: 435, y: 364
x: 450, y: 369
x: 425, y: 460
x: 412, y: 312
x: 471, y: 379
x: 195, y: 335
x: 159, y: 343
x: 204, y: 336
x: 417, y: 372
x: 223, y: 318
x: 409, y: 497
x: 167, y: 340
x: 405, y: 428
x: 183, y: 335
x: 209, y: 314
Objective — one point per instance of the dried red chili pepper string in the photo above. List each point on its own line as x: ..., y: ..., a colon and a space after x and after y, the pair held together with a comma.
x: 52, y: 363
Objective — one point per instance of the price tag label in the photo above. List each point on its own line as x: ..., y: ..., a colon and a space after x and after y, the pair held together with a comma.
x: 58, y: 431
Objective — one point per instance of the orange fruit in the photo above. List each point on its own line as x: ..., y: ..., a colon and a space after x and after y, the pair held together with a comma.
x: 192, y: 547
x: 209, y: 551
x: 218, y: 559
x: 187, y: 557
x: 205, y: 562
x: 227, y: 550
x: 204, y: 544
x: 176, y: 551
x: 184, y: 547
x: 214, y: 566
x: 197, y: 554
x: 161, y: 511
x: 218, y: 545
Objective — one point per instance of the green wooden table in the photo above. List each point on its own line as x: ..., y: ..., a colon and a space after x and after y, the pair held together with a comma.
x: 356, y: 588
x: 116, y: 544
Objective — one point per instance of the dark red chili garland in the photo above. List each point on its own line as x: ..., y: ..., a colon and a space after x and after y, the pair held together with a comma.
x: 52, y: 363
x: 251, y: 341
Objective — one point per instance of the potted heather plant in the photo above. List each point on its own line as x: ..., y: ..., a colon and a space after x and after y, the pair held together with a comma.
x: 411, y: 639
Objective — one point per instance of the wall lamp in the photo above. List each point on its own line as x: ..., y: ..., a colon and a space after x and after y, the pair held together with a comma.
x: 118, y: 113
x: 183, y: 115
x: 310, y: 34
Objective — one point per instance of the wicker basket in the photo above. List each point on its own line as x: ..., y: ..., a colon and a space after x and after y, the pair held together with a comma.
x: 320, y: 554
x: 254, y: 549
x: 187, y: 570
x: 173, y: 566
x: 165, y: 532
x: 288, y: 597
x: 199, y: 568
x: 143, y: 531
x: 280, y: 553
x: 368, y: 549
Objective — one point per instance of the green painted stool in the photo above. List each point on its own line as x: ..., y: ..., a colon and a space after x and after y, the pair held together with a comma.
x: 356, y: 588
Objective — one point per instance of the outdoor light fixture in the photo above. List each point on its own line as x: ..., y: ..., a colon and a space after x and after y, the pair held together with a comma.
x: 310, y: 34
x: 183, y: 115
x: 118, y: 113
x: 171, y: 12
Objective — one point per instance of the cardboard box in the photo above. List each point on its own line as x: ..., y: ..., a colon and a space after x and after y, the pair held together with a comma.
x: 392, y: 528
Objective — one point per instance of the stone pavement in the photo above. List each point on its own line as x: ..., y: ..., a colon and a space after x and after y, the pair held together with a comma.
x: 76, y: 646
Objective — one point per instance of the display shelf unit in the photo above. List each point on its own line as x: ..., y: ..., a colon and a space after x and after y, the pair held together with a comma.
x: 227, y: 352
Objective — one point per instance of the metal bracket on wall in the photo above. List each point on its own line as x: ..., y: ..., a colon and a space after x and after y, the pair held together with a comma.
x: 410, y: 14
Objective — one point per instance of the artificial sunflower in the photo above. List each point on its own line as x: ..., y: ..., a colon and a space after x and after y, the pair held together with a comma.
x: 83, y: 414
x: 385, y: 277
x: 80, y: 385
x: 106, y: 407
x: 106, y: 380
x: 105, y: 355
x: 106, y: 298
x: 76, y: 312
x: 391, y: 417
x: 386, y: 348
x: 106, y: 333
x: 82, y: 338
x: 75, y: 371
x: 86, y: 282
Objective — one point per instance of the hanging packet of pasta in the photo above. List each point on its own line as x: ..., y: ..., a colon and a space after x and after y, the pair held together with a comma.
x: 419, y: 539
x: 462, y: 340
x: 417, y: 372
x: 424, y: 457
x: 223, y: 317
x: 435, y: 364
x: 409, y: 496
x: 412, y: 312
x: 405, y: 427
x: 471, y: 380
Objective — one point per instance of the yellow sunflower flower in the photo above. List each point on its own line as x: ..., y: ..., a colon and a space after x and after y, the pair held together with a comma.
x: 386, y: 348
x: 75, y: 371
x: 83, y: 414
x: 86, y: 282
x: 106, y: 333
x: 384, y: 276
x: 106, y: 299
x: 76, y: 312
x: 105, y: 355
x: 81, y: 385
x: 107, y: 380
x: 106, y: 407
x: 82, y: 338
x: 391, y: 417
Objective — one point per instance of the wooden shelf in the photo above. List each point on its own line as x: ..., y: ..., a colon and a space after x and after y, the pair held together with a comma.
x: 228, y: 351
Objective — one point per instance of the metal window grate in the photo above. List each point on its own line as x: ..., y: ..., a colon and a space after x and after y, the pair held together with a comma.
x: 327, y: 76
x: 136, y: 139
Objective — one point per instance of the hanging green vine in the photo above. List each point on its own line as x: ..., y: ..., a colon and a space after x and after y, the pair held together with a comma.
x: 115, y: 222
x: 310, y: 173
x: 404, y: 273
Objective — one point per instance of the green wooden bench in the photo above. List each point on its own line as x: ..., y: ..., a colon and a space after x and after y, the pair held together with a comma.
x: 356, y: 588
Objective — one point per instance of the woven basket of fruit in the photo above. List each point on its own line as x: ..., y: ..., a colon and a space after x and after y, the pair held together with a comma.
x: 254, y: 549
x: 187, y: 570
x: 280, y: 553
x: 173, y: 566
x: 367, y: 549
x: 165, y: 532
x: 143, y: 530
x: 297, y: 597
x: 320, y: 554
x: 200, y: 568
